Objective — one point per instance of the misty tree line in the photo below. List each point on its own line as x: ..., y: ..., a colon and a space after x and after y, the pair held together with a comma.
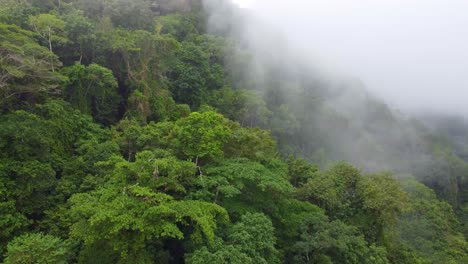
x: 131, y: 133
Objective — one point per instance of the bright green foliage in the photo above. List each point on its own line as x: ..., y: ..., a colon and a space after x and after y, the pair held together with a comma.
x: 36, y: 248
x: 93, y: 90
x: 241, y: 185
x: 50, y: 28
x: 132, y: 137
x: 166, y: 174
x: 127, y: 214
x: 201, y: 135
x: 129, y: 218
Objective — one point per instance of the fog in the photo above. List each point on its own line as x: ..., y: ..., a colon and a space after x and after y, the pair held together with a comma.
x: 413, y: 54
x: 348, y: 80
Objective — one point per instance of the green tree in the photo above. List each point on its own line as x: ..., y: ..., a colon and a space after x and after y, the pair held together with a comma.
x: 189, y: 75
x: 384, y: 200
x: 178, y: 25
x: 371, y: 202
x: 25, y: 67
x: 50, y: 28
x: 241, y: 184
x: 93, y: 90
x: 129, y: 14
x: 430, y: 227
x: 80, y: 31
x: 36, y: 154
x: 251, y: 240
x: 254, y: 235
x: 201, y: 135
x: 36, y: 248
x: 130, y: 215
x: 16, y: 13
x: 251, y: 143
x: 12, y: 222
x: 322, y: 241
x: 219, y: 253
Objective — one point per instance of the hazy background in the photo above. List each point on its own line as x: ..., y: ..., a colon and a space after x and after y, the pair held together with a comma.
x: 412, y: 53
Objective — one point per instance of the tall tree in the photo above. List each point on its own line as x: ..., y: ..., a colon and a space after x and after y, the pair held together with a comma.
x: 26, y: 68
x: 50, y: 28
x: 93, y: 90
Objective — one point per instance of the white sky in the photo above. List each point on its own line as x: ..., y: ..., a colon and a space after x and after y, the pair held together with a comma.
x: 244, y: 3
x: 412, y: 52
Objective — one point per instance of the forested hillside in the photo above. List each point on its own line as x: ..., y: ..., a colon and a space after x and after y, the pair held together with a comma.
x: 132, y: 131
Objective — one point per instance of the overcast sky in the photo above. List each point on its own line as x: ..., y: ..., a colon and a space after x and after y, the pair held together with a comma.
x: 414, y: 53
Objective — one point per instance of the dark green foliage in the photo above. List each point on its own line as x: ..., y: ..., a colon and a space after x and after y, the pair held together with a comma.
x: 80, y: 32
x: 177, y: 25
x: 322, y: 241
x: 219, y: 253
x: 189, y: 75
x: 430, y: 227
x: 371, y: 202
x: 229, y: 102
x: 93, y: 90
x: 12, y: 222
x: 251, y: 240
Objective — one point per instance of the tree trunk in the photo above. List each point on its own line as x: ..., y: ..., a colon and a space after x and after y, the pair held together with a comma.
x: 50, y: 48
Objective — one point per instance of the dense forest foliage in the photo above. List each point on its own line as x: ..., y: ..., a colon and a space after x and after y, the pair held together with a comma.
x: 132, y: 133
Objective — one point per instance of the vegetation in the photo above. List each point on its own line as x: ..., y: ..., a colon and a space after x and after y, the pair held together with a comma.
x: 129, y: 134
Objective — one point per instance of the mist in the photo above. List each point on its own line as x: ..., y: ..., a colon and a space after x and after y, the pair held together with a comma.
x: 411, y: 54
x: 344, y: 81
